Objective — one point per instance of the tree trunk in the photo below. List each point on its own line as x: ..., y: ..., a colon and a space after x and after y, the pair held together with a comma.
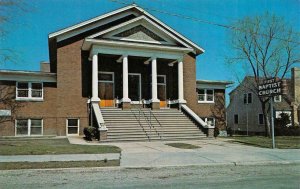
x: 267, y: 120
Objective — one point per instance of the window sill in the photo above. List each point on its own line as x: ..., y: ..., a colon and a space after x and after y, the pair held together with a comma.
x: 30, y: 99
x: 206, y: 102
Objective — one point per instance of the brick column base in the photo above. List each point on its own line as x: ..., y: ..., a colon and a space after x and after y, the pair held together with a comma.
x: 126, y: 105
x: 155, y: 105
x: 210, y: 132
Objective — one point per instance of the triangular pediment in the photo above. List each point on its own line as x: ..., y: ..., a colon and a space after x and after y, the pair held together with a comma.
x: 118, y: 25
x: 139, y: 33
x: 140, y: 30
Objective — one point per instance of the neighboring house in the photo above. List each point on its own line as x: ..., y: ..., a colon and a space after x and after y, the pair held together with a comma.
x: 244, y: 113
x: 124, y: 59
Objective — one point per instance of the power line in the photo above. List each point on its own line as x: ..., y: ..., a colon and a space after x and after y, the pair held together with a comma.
x: 217, y: 15
x: 204, y: 21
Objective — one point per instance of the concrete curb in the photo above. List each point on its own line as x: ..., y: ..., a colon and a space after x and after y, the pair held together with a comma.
x: 118, y: 168
x: 60, y: 157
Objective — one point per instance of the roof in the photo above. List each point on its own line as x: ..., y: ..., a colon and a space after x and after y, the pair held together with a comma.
x: 214, y: 82
x: 18, y: 75
x: 133, y: 7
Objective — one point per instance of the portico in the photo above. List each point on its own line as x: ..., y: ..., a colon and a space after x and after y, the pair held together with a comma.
x: 137, y: 71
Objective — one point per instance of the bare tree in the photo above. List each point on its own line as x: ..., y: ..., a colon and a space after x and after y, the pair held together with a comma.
x: 8, y: 102
x: 8, y: 10
x: 219, y: 111
x: 268, y: 47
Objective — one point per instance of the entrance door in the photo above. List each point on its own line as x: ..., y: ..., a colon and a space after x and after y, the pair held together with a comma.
x: 162, y: 90
x: 106, y: 89
x: 134, y: 87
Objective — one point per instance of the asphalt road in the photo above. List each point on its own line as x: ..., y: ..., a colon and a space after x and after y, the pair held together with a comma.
x: 254, y: 176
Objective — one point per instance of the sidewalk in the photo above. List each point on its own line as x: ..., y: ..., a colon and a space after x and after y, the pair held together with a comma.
x: 157, y: 154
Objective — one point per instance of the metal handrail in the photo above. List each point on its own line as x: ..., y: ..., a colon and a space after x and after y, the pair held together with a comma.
x: 139, y: 121
x: 151, y: 113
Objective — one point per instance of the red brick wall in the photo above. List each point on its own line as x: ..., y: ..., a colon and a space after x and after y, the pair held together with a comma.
x: 70, y: 101
x: 45, y: 110
x: 190, y: 94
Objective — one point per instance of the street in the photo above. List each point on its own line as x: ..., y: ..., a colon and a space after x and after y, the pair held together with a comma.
x: 219, y: 176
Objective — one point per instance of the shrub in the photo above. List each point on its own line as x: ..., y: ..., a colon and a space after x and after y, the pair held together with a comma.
x: 229, y: 131
x: 216, y: 132
x: 287, y: 131
x: 89, y: 133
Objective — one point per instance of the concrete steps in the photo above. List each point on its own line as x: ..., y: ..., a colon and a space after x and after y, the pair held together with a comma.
x: 134, y: 125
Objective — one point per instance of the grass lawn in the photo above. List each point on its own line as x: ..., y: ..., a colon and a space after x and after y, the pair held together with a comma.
x: 57, y: 164
x: 183, y: 145
x: 282, y: 142
x: 24, y: 146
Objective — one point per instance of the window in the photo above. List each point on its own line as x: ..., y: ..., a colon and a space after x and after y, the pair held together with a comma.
x: 72, y: 126
x: 277, y: 98
x: 106, y: 77
x: 161, y: 79
x: 210, y: 121
x: 29, y: 127
x: 236, y: 119
x: 261, y: 120
x: 247, y: 98
x: 205, y: 95
x: 29, y: 90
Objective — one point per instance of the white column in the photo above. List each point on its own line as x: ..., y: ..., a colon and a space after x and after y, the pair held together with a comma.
x: 125, y: 79
x: 180, y: 82
x: 95, y: 97
x: 154, y: 80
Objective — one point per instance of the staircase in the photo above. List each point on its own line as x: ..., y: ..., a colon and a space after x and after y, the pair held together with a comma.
x: 146, y: 125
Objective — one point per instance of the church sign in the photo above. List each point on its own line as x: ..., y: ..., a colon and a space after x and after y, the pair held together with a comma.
x: 270, y: 87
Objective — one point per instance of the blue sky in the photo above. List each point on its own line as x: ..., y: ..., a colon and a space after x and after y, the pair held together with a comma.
x: 29, y: 30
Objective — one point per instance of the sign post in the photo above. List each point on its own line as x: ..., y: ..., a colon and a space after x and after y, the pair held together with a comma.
x: 272, y: 123
x: 270, y: 88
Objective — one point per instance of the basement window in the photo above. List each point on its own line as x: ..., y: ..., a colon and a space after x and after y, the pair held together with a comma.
x: 210, y: 121
x: 29, y: 127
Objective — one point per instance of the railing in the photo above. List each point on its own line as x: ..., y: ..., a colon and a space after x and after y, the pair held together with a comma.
x: 139, y: 121
x: 152, y: 115
x: 148, y: 120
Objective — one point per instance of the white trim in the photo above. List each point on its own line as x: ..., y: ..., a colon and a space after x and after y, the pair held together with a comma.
x: 29, y: 126
x: 141, y: 20
x: 162, y: 84
x: 165, y: 81
x: 142, y: 11
x: 67, y: 127
x: 140, y: 95
x: 280, y: 98
x: 214, y: 121
x: 60, y: 32
x: 133, y: 49
x: 195, y: 116
x: 167, y: 27
x: 113, y: 80
x: 8, y: 75
x: 29, y: 98
x: 205, y: 96
x: 211, y: 86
